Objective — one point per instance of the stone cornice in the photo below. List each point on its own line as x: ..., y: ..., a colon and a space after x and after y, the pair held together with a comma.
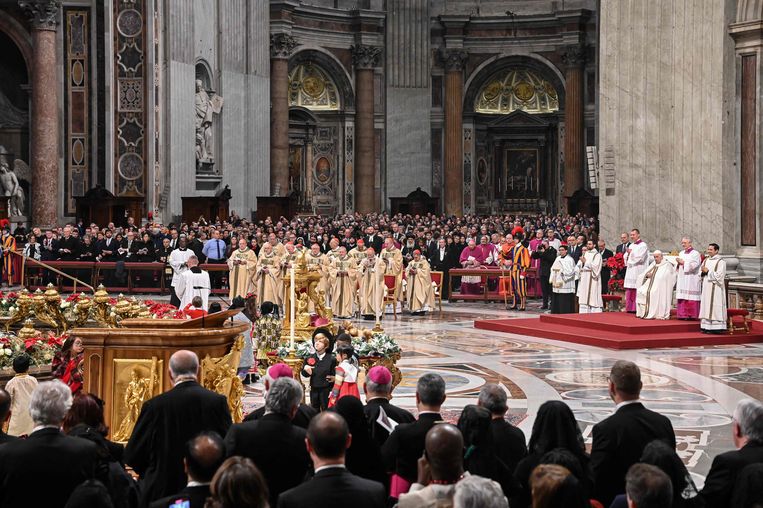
x: 574, y: 55
x: 453, y: 59
x: 365, y: 57
x: 43, y: 14
x: 281, y: 45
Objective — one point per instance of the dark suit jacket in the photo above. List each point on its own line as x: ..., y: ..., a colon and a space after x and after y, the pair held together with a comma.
x: 335, y: 488
x: 575, y: 253
x: 166, y: 423
x: 622, y: 248
x: 724, y: 471
x: 547, y: 258
x: 618, y: 442
x: 302, y: 419
x: 405, y: 446
x: 276, y: 447
x: 44, y: 469
x: 196, y: 495
x: 5, y: 438
x: 48, y: 254
x: 371, y: 410
x: 71, y: 244
x: 605, y: 272
x: 509, y: 443
x: 376, y: 243
x: 112, y: 246
x: 321, y: 369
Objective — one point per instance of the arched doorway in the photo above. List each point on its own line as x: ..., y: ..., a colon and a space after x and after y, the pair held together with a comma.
x: 320, y: 135
x: 14, y: 101
x: 513, y: 114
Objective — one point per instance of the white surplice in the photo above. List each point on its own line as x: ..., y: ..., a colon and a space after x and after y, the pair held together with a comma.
x: 689, y: 285
x: 654, y: 296
x: 635, y: 263
x: 589, y: 287
x: 562, y: 277
x: 177, y: 260
x: 192, y: 284
x: 712, y: 306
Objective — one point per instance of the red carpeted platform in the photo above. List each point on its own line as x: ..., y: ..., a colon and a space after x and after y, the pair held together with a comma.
x: 617, y: 330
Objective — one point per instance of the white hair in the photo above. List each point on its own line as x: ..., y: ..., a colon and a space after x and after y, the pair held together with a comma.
x: 284, y: 395
x: 749, y: 416
x: 657, y: 251
x: 50, y: 402
x: 478, y: 492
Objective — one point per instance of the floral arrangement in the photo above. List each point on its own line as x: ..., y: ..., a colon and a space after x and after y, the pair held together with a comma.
x: 41, y: 349
x: 616, y: 265
x: 615, y: 285
x: 7, y: 302
x: 161, y: 310
x: 302, y: 350
x: 380, y: 344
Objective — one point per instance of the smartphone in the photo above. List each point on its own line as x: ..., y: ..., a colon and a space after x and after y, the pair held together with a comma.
x: 181, y: 503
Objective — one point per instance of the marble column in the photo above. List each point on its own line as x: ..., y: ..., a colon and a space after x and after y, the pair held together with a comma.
x: 453, y: 61
x: 43, y: 17
x: 365, y: 59
x: 574, y: 157
x: 281, y: 46
x: 747, y: 148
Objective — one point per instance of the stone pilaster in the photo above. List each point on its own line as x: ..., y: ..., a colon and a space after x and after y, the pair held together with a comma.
x: 281, y: 46
x: 453, y: 61
x: 43, y: 17
x: 365, y: 59
x: 574, y: 60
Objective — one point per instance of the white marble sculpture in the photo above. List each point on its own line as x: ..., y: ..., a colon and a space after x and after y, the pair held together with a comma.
x: 11, y: 189
x: 206, y: 106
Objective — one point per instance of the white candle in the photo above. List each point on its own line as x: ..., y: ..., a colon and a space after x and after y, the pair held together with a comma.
x: 292, y: 309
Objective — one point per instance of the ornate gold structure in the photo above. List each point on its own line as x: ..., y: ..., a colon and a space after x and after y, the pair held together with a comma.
x: 390, y: 362
x: 135, y: 381
x: 311, y: 87
x: 517, y: 89
x: 306, y: 290
x: 219, y: 375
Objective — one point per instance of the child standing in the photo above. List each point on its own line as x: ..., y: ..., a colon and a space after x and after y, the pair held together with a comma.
x: 195, y: 309
x: 346, y: 381
x: 20, y: 388
x: 320, y: 368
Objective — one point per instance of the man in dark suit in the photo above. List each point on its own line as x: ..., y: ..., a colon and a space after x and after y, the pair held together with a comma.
x: 328, y: 438
x: 747, y: 432
x: 605, y: 255
x: 43, y: 469
x: 624, y: 244
x: 619, y: 440
x: 167, y: 422
x: 275, y: 446
x: 547, y: 255
x: 304, y: 413
x: 508, y: 441
x: 373, y: 239
x: 574, y: 250
x: 5, y: 415
x: 378, y: 390
x: 405, y: 444
x: 68, y: 246
x: 203, y: 456
x: 440, y: 261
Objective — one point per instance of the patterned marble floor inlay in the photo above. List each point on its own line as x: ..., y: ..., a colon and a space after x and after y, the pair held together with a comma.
x: 696, y: 387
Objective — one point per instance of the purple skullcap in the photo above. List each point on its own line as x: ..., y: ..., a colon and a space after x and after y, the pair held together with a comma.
x: 380, y: 375
x: 280, y: 370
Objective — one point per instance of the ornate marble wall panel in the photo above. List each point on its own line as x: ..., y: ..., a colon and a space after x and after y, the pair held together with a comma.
x: 407, y: 59
x: 666, y: 82
x: 131, y: 119
x: 468, y: 169
x: 77, y: 110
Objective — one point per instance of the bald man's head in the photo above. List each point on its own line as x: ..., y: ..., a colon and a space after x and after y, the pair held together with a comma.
x: 328, y: 435
x: 203, y: 456
x: 5, y: 405
x: 444, y: 447
x: 184, y: 364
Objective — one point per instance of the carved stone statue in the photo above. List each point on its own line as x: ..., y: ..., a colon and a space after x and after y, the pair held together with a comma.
x: 11, y: 189
x: 206, y: 106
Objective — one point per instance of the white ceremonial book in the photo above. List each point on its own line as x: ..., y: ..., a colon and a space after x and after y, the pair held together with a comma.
x: 385, y: 421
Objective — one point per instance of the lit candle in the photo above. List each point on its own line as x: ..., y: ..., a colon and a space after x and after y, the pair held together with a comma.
x: 292, y: 309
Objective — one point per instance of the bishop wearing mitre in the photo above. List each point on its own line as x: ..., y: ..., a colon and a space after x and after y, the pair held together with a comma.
x: 267, y: 276
x: 589, y: 274
x: 393, y: 263
x: 372, y: 288
x: 419, y: 285
x: 654, y: 296
x: 712, y: 307
x: 342, y: 278
x: 636, y: 258
x: 241, y: 264
x: 562, y: 281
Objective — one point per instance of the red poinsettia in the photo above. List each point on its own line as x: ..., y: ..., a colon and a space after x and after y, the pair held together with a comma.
x: 616, y: 262
x: 74, y: 298
x: 615, y: 284
x: 311, y: 361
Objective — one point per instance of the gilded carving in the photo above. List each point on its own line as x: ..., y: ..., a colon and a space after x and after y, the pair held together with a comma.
x: 517, y: 89
x: 219, y: 375
x: 135, y: 381
x: 311, y: 87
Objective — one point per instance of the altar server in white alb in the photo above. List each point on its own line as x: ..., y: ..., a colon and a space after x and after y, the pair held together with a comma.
x: 712, y: 308
x: 562, y: 281
x: 654, y: 297
x: 689, y: 285
x: 178, y: 260
x: 589, y: 285
x: 636, y: 258
x: 193, y: 282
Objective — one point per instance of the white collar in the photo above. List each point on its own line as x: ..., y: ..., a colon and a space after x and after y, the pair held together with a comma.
x: 193, y: 483
x: 40, y: 427
x: 627, y: 402
x: 330, y: 466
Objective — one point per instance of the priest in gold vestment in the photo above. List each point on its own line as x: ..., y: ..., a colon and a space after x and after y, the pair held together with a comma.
x: 372, y: 288
x: 241, y: 263
x: 393, y: 263
x: 342, y: 277
x: 267, y: 279
x: 419, y: 285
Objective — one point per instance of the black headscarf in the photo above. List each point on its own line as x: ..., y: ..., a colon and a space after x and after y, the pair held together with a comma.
x: 556, y: 427
x: 363, y: 457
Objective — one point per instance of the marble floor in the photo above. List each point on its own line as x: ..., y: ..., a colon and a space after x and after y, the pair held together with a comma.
x: 697, y: 388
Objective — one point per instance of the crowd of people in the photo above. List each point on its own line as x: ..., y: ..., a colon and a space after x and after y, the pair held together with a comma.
x: 186, y: 452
